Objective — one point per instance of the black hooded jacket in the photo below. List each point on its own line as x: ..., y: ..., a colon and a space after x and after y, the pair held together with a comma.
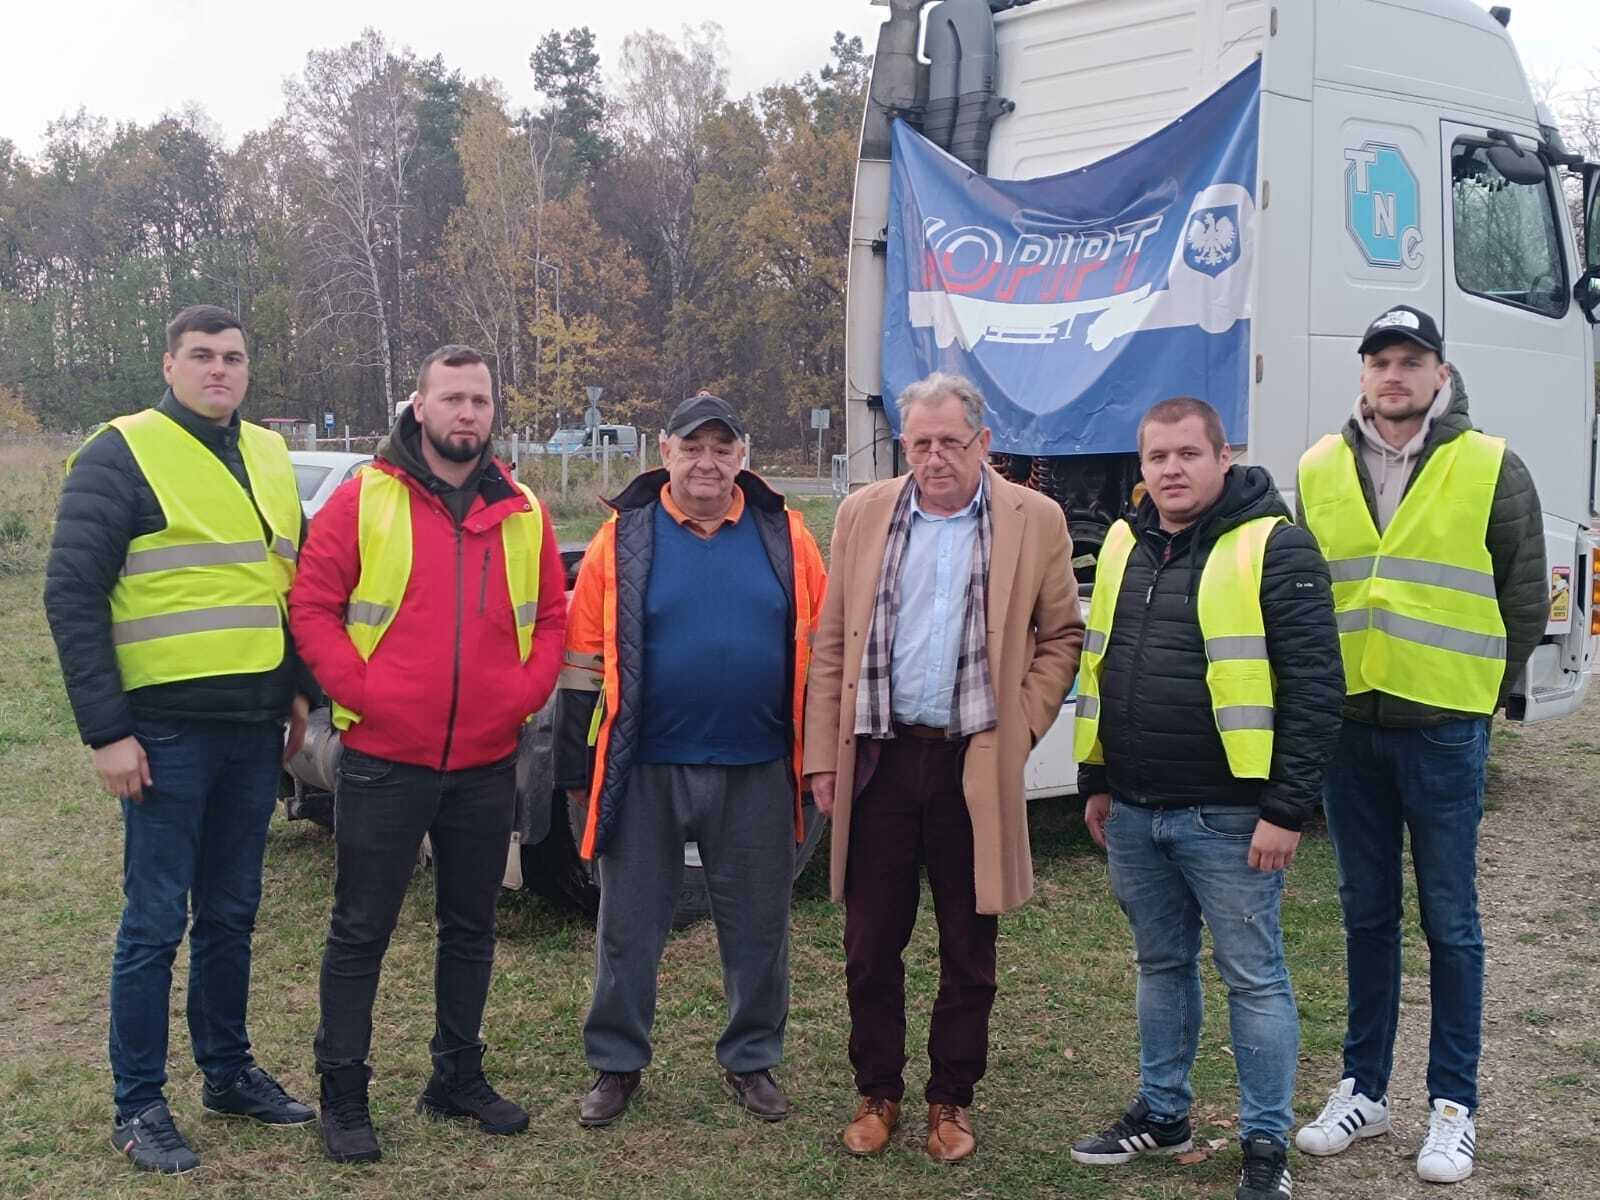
x: 106, y: 502
x: 1162, y: 748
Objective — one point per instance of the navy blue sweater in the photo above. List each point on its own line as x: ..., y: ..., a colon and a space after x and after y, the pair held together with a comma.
x: 715, y: 649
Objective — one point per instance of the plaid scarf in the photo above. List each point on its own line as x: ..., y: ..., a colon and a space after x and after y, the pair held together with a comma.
x: 972, y: 706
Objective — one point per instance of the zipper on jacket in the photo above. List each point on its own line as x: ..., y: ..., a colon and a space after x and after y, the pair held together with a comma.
x: 1138, y: 662
x: 455, y: 670
x: 483, y: 583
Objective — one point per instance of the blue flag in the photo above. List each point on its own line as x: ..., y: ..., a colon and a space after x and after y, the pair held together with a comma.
x: 1078, y: 300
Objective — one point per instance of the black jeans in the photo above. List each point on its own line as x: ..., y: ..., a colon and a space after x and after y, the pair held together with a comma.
x: 381, y: 811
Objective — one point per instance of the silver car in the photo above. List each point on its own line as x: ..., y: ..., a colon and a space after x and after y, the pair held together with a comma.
x: 318, y: 473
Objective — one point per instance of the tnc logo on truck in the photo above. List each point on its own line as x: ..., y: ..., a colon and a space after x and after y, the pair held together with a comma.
x: 1382, y: 205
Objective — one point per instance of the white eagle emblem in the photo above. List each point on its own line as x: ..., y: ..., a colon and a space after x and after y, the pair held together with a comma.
x: 1211, y: 239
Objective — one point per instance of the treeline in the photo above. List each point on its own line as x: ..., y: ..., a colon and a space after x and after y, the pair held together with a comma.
x: 641, y: 231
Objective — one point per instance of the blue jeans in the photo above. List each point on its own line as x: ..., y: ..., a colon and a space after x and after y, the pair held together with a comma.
x: 1169, y: 869
x: 1380, y: 783
x: 195, y: 843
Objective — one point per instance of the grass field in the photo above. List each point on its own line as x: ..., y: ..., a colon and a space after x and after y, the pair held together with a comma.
x: 1063, y: 1057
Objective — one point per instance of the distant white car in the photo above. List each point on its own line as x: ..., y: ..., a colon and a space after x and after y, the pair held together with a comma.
x: 318, y: 473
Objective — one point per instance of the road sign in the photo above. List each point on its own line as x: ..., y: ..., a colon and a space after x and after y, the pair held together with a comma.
x: 327, y: 420
x: 820, y: 418
x: 591, y: 415
x: 594, y: 395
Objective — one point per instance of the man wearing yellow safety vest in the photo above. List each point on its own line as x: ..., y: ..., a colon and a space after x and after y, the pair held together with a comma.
x: 1208, y: 707
x: 1434, y: 537
x: 166, y: 592
x: 431, y: 604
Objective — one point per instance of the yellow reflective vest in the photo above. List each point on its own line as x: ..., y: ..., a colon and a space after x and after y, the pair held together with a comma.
x: 384, y: 537
x: 1238, y: 673
x: 1418, y: 613
x: 207, y: 594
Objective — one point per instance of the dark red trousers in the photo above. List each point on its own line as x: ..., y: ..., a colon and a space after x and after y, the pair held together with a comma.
x: 912, y: 815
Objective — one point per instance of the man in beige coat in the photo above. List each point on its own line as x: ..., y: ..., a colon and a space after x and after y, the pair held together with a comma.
x: 949, y: 636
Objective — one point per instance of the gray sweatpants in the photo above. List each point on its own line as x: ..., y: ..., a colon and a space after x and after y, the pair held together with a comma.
x: 743, y: 820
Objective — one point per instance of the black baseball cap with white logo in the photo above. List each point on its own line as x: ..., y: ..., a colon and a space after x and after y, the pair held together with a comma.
x: 697, y: 410
x: 1403, y: 322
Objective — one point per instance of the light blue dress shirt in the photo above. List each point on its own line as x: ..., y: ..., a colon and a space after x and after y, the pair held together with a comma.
x: 932, y: 606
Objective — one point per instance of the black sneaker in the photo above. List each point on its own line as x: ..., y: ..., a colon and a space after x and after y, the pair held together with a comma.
x: 347, y: 1133
x: 152, y: 1142
x: 1134, y: 1134
x: 1266, y: 1170
x: 257, y: 1095
x: 472, y: 1099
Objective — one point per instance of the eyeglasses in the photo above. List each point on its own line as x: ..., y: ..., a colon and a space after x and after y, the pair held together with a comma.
x: 921, y: 450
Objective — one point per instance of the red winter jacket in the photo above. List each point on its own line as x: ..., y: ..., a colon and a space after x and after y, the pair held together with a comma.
x: 445, y: 688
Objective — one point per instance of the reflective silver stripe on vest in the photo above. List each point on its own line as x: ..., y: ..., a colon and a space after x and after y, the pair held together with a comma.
x: 1219, y: 649
x: 1416, y: 570
x: 201, y: 554
x: 1349, y: 570
x: 365, y: 612
x: 1426, y: 633
x: 1094, y: 642
x: 1089, y: 707
x: 527, y: 612
x: 198, y: 620
x: 284, y: 548
x: 1355, y: 620
x: 1231, y: 717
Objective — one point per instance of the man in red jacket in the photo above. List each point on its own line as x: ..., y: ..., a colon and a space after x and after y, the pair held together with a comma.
x: 430, y: 604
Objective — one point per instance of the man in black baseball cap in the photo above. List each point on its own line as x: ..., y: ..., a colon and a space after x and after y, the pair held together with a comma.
x: 1434, y: 535
x: 1402, y: 322
x: 693, y: 612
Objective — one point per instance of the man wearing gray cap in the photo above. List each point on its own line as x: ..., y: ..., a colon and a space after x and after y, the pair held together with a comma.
x: 681, y: 702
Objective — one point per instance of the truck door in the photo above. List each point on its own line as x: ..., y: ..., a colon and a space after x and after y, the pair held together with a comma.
x: 1509, y: 322
x: 1376, y: 228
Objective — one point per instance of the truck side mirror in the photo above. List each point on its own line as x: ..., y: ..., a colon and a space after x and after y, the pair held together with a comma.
x: 1586, y: 292
x: 1516, y: 164
x: 1591, y: 221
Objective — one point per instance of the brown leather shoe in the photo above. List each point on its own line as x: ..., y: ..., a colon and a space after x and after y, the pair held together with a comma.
x: 607, y: 1098
x: 758, y: 1092
x: 949, y: 1133
x: 869, y: 1130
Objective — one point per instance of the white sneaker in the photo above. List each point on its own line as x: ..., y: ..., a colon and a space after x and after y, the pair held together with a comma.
x: 1347, y: 1116
x: 1447, y: 1153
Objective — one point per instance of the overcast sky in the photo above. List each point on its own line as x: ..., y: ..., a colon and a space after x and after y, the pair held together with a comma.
x: 135, y: 61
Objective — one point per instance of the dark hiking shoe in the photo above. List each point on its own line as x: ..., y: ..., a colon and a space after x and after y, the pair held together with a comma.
x: 257, y: 1095
x: 471, y: 1099
x: 347, y: 1133
x: 1134, y: 1134
x: 1266, y: 1170
x: 758, y: 1092
x: 607, y: 1098
x: 152, y: 1142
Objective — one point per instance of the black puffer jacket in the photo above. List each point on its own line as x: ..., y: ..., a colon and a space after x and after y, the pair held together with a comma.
x: 1515, y: 541
x: 106, y: 502
x: 1162, y: 748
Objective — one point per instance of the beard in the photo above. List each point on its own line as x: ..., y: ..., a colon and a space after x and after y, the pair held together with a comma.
x: 460, y: 448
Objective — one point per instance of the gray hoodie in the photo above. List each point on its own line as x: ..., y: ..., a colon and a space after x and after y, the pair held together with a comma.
x: 1391, y: 469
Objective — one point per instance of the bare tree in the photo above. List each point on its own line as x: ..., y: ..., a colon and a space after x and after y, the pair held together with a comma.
x: 669, y: 91
x: 355, y: 112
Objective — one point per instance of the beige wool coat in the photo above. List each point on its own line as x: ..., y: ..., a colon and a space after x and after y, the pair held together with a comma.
x: 1035, y: 635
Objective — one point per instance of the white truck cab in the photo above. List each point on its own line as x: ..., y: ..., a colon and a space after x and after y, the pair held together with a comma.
x: 1402, y: 159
